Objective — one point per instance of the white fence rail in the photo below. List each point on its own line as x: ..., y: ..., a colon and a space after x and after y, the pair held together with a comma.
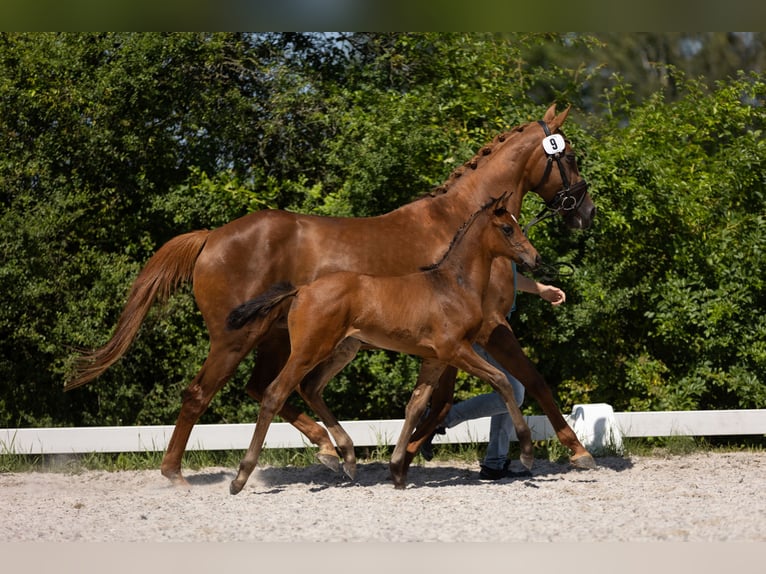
x: 590, y: 422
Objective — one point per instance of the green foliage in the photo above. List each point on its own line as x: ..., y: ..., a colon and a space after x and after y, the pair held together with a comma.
x: 113, y: 143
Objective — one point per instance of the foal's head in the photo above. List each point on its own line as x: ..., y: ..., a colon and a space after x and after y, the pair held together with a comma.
x: 506, y: 237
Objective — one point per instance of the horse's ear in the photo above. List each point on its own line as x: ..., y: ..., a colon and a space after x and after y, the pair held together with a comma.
x: 557, y: 121
x: 550, y: 113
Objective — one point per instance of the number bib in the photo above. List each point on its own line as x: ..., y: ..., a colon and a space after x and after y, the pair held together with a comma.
x: 554, y: 144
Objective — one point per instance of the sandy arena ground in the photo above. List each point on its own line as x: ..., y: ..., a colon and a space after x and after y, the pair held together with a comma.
x: 704, y: 497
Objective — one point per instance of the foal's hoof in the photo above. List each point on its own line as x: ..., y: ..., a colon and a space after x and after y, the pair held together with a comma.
x: 350, y: 469
x: 527, y: 460
x: 583, y: 462
x: 235, y: 487
x: 330, y: 461
x: 400, y: 481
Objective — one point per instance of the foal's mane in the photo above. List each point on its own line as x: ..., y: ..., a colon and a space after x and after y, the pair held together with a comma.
x: 459, y: 234
x: 474, y: 162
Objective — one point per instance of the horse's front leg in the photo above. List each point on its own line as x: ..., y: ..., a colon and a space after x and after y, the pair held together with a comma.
x: 311, y: 389
x: 272, y: 355
x: 505, y: 348
x: 404, y: 452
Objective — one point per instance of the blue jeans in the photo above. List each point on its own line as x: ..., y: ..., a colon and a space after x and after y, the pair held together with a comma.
x: 489, y: 405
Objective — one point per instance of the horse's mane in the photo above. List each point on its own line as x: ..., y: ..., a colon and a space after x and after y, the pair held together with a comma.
x: 459, y: 234
x: 473, y: 163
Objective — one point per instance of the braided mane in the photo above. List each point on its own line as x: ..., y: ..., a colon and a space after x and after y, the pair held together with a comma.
x: 474, y: 162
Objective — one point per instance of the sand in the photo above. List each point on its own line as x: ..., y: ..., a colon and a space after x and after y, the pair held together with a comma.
x: 703, y: 497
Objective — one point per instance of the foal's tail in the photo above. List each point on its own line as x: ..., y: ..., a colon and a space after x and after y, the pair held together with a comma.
x: 260, y: 306
x: 172, y: 265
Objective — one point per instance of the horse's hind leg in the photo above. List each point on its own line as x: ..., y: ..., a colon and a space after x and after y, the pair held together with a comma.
x: 311, y: 390
x: 221, y: 362
x: 273, y: 351
x: 275, y: 396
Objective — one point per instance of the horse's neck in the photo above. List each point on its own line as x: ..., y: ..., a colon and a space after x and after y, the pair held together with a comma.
x: 500, y: 172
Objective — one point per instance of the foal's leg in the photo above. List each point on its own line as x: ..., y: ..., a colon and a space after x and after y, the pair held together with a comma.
x: 469, y: 361
x: 272, y: 355
x: 275, y: 396
x: 427, y: 379
x: 441, y: 402
x: 311, y: 389
x: 505, y: 348
x: 303, y: 358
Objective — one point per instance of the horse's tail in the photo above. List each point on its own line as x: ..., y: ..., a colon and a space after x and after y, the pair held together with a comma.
x: 260, y: 306
x: 170, y: 266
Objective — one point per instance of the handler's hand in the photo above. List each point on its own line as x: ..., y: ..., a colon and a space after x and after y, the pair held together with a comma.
x: 553, y: 295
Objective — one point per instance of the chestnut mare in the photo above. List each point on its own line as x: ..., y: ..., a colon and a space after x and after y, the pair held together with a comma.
x: 236, y: 262
x: 435, y: 314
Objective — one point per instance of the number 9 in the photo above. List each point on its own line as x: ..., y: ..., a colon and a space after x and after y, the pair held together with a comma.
x: 554, y: 144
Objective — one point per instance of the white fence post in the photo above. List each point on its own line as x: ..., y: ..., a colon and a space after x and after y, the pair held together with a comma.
x: 596, y: 427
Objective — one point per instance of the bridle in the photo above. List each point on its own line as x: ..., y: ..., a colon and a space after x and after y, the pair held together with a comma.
x: 570, y: 196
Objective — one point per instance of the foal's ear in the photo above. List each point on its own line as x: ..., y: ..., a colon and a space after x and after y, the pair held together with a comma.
x: 502, y: 201
x: 498, y: 207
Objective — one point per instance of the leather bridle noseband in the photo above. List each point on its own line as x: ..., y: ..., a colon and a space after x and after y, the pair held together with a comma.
x: 570, y: 197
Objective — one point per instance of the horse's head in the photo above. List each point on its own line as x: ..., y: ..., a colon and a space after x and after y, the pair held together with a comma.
x: 552, y: 173
x: 513, y: 242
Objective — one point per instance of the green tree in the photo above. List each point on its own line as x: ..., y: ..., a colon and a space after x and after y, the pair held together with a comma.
x: 95, y: 129
x: 113, y: 143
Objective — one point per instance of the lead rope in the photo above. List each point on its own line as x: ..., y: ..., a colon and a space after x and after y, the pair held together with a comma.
x: 554, y: 271
x: 544, y: 214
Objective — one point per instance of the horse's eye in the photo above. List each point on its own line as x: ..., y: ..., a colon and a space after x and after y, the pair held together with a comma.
x: 508, y: 229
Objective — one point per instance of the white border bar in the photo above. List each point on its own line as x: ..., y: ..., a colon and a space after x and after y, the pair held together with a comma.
x: 363, y: 433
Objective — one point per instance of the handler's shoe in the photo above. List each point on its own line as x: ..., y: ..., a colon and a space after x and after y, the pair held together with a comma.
x: 487, y: 473
x: 427, y: 448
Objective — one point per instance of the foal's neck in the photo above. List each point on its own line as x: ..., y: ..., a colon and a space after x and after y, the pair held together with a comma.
x: 466, y: 267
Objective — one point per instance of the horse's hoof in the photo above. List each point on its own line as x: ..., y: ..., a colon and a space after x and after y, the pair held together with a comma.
x: 527, y: 460
x: 583, y: 462
x: 350, y: 469
x: 175, y: 477
x: 235, y: 487
x: 179, y: 481
x: 330, y: 461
